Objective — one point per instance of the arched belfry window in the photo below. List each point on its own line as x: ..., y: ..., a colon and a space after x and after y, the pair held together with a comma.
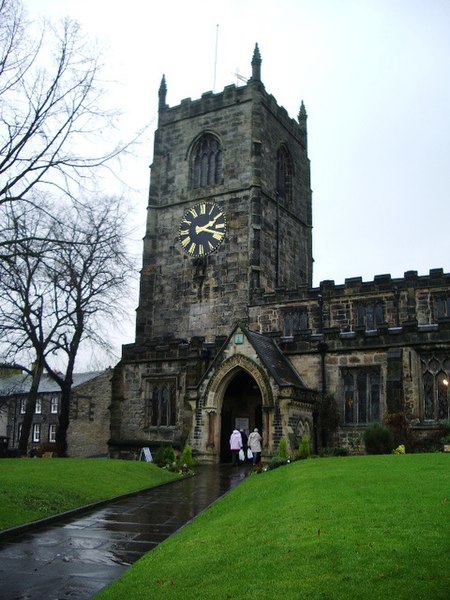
x: 206, y: 162
x: 284, y: 173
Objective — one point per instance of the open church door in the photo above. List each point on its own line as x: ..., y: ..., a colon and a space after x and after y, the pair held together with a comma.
x: 241, y: 409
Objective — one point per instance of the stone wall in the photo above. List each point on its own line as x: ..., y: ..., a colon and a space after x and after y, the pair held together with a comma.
x: 89, y: 428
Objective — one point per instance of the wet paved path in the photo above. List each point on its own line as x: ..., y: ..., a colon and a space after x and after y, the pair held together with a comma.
x: 75, y: 558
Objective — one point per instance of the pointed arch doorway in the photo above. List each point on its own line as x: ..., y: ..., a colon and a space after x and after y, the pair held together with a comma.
x: 241, y: 409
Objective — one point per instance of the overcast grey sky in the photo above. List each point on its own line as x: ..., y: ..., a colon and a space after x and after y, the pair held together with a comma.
x: 375, y: 79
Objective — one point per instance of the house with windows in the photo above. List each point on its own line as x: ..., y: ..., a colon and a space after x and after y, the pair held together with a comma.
x: 89, y: 414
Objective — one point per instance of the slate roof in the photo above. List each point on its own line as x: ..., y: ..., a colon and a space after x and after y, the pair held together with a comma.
x: 20, y: 384
x: 274, y: 360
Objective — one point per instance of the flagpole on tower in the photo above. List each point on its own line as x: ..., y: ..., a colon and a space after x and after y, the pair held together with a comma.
x: 215, y: 57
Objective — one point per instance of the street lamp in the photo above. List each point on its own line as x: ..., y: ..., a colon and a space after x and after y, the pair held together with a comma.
x: 445, y: 383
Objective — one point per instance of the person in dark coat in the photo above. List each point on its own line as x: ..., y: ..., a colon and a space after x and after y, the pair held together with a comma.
x: 244, y: 443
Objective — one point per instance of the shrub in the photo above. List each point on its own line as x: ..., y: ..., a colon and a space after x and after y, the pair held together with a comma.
x: 399, y: 450
x: 338, y: 451
x: 283, y: 449
x: 304, y: 450
x: 186, y: 457
x: 169, y: 455
x: 277, y: 461
x: 378, y: 439
x: 164, y: 456
x: 399, y: 426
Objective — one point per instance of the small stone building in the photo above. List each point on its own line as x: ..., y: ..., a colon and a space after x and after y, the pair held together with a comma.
x: 229, y: 330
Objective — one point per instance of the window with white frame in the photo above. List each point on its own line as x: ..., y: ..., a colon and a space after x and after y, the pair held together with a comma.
x: 23, y: 405
x: 52, y: 432
x: 38, y: 406
x: 54, y: 405
x: 36, y: 432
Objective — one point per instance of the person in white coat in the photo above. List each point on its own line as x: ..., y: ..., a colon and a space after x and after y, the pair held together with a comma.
x: 235, y: 446
x: 254, y: 443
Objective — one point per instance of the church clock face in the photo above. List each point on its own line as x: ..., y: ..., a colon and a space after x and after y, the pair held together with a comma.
x: 202, y: 229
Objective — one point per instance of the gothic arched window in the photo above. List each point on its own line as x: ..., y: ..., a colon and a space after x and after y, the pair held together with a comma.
x: 162, y: 404
x: 284, y: 173
x: 206, y: 165
x: 436, y: 377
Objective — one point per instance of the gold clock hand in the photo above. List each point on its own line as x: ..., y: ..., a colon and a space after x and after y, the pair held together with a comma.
x: 205, y: 228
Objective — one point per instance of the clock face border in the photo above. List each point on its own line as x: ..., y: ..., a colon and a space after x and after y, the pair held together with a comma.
x: 202, y: 229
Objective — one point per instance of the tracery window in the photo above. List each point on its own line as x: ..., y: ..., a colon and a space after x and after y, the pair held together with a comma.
x: 162, y: 403
x: 206, y: 164
x: 284, y: 174
x: 361, y: 395
x: 436, y: 378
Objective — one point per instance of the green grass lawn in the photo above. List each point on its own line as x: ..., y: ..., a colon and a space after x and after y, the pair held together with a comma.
x: 31, y: 489
x: 373, y: 527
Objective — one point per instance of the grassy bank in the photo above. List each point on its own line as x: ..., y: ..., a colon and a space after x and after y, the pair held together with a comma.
x: 372, y: 527
x: 31, y: 489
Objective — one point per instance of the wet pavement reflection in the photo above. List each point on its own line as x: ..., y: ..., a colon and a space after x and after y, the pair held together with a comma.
x: 75, y: 558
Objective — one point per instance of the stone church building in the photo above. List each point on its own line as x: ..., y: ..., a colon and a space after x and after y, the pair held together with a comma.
x: 229, y: 330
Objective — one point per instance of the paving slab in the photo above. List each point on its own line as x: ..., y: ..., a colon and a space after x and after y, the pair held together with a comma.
x: 74, y: 558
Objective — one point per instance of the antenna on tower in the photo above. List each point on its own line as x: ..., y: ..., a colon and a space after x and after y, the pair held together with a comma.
x: 215, y: 58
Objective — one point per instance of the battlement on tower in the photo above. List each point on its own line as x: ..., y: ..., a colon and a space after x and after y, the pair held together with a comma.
x: 231, y: 95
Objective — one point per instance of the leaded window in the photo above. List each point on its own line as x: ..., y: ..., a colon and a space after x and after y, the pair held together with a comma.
x: 294, y: 321
x: 206, y: 164
x: 162, y: 403
x: 441, y: 307
x: 435, y: 379
x: 369, y: 315
x: 361, y: 389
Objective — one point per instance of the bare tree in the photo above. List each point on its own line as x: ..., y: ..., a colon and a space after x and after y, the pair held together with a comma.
x: 30, y: 319
x: 61, y: 283
x: 92, y: 277
x: 52, y: 127
x: 62, y: 261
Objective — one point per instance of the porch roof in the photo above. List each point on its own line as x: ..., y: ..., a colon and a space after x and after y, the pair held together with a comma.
x: 277, y: 364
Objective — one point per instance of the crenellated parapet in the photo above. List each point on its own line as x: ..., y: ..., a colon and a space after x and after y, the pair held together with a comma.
x: 385, y: 305
x: 233, y: 95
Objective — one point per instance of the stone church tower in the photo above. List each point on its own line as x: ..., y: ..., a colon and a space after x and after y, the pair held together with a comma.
x: 237, y: 161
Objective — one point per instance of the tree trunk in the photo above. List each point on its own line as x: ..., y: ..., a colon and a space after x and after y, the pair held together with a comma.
x: 63, y: 422
x: 31, y: 405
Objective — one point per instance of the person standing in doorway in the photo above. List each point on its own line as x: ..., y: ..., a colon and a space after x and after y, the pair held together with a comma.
x: 244, y: 443
x: 235, y: 446
x: 254, y: 443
